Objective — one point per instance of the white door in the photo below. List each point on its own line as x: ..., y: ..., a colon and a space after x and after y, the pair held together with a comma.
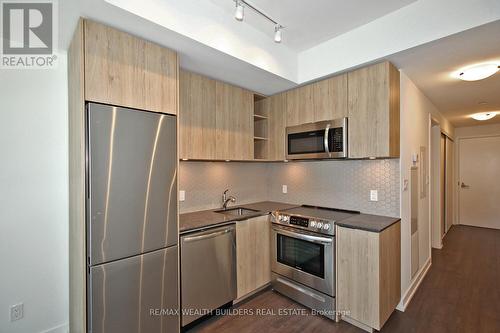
x: 479, y: 196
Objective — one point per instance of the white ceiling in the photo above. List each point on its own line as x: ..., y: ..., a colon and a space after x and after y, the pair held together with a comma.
x: 309, y: 23
x: 429, y: 66
x: 211, y: 42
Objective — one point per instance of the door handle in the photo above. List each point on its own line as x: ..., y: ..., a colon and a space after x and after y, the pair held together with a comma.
x: 325, y: 140
x: 463, y: 185
x: 207, y: 236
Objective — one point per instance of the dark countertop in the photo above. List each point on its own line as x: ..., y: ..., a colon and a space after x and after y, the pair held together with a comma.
x: 367, y: 222
x: 209, y: 218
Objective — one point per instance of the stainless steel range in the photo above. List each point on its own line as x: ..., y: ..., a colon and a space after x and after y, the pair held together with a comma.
x: 303, y: 257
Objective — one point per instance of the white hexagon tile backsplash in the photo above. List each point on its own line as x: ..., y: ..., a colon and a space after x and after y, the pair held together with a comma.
x: 339, y: 184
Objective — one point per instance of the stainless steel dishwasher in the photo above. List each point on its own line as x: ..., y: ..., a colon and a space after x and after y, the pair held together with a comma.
x: 208, y: 271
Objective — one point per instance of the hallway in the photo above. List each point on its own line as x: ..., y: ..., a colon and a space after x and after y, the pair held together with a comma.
x: 460, y: 293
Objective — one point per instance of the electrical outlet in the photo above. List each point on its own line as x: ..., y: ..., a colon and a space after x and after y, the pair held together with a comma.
x: 182, y: 195
x: 373, y: 195
x: 16, y: 311
x: 284, y: 189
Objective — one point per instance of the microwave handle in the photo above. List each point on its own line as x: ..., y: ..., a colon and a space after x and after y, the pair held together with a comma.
x: 325, y: 140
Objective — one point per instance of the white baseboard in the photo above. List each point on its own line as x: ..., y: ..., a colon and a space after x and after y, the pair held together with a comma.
x: 63, y: 328
x: 438, y: 247
x: 405, y: 300
x: 358, y: 324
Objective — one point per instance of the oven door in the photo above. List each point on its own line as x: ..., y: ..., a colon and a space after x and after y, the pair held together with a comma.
x: 304, y: 257
x: 324, y: 139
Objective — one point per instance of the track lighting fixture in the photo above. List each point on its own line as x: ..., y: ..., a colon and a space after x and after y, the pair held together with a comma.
x: 240, y: 13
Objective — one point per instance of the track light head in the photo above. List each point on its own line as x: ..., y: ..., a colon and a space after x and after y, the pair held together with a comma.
x: 240, y: 11
x: 277, y: 33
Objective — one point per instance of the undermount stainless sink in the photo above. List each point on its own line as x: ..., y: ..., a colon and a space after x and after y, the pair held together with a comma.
x: 238, y: 211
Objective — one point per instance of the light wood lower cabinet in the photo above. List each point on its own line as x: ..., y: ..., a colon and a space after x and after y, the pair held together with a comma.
x: 253, y: 255
x: 368, y: 273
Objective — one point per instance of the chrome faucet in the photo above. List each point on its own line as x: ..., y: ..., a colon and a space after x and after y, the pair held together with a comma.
x: 226, y: 199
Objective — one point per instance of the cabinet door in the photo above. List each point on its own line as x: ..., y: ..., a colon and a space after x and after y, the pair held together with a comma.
x: 234, y: 119
x: 124, y: 70
x: 261, y: 226
x: 330, y: 98
x: 253, y: 254
x: 245, y: 258
x: 197, y: 116
x: 275, y: 107
x: 374, y: 111
x: 299, y: 106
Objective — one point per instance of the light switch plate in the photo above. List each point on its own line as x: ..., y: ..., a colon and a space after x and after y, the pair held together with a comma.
x: 373, y: 195
x: 284, y: 189
x: 16, y: 311
x: 182, y: 195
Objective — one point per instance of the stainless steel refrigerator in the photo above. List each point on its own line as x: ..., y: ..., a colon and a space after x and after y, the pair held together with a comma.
x: 131, y: 221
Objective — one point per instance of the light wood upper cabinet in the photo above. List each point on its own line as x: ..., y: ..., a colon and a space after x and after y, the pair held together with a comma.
x: 374, y: 111
x: 368, y: 273
x: 197, y: 126
x: 330, y: 98
x: 322, y: 100
x: 274, y: 108
x: 299, y: 106
x: 124, y: 70
x: 253, y: 254
x: 234, y: 121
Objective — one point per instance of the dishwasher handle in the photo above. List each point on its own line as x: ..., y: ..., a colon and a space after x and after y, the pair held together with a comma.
x: 214, y: 234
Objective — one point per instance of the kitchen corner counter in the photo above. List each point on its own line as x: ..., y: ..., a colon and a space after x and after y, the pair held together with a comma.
x: 367, y: 222
x: 209, y: 218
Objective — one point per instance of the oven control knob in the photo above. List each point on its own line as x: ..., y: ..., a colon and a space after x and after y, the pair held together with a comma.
x: 280, y: 218
x: 326, y: 226
x: 319, y: 225
x: 285, y: 218
x: 313, y: 223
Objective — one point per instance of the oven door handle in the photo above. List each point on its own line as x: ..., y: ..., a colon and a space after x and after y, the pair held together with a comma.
x: 310, y: 238
x: 325, y: 140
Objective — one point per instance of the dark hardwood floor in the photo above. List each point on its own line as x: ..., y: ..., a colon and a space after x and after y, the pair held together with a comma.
x: 461, y: 293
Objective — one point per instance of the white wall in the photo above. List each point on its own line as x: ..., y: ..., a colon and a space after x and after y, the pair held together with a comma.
x: 34, y: 198
x: 416, y: 110
x: 479, y: 130
x: 420, y: 22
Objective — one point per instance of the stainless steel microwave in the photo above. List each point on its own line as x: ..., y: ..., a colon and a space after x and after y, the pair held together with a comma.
x: 323, y: 139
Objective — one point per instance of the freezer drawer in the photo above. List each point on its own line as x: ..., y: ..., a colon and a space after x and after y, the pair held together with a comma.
x: 208, y: 271
x: 137, y: 294
x: 132, y: 182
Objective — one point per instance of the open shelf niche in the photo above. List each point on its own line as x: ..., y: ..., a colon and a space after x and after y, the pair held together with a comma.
x: 260, y: 129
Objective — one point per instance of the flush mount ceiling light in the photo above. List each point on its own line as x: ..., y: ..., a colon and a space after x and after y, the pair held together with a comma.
x: 484, y: 115
x: 240, y: 13
x: 477, y: 72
